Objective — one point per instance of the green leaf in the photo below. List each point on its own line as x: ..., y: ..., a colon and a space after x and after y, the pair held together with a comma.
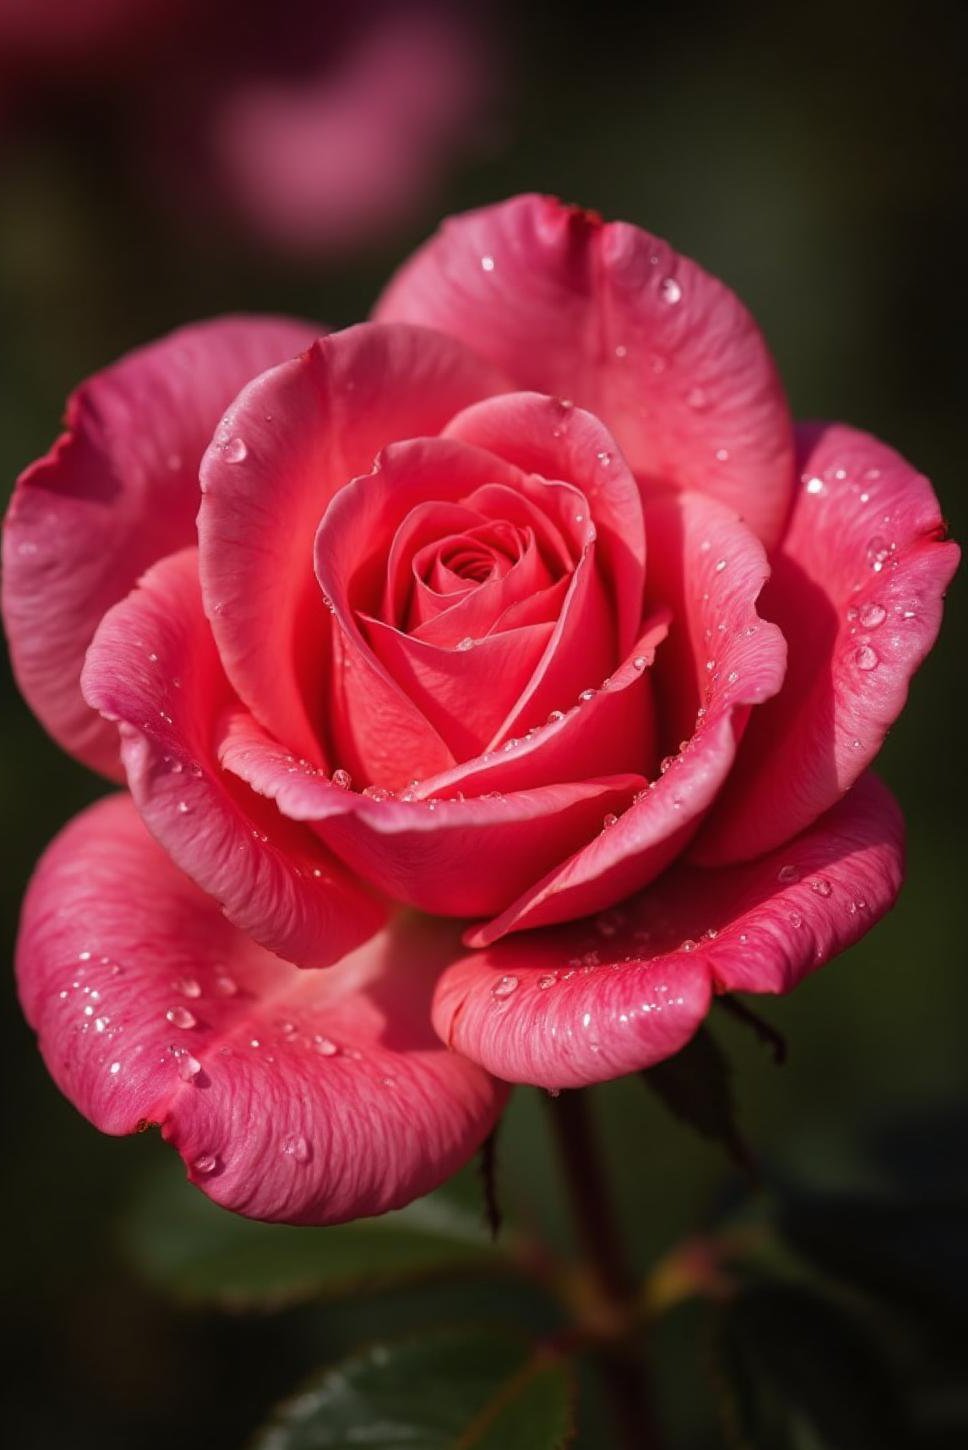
x: 194, y: 1251
x: 798, y: 1373
x: 463, y: 1389
x: 696, y: 1086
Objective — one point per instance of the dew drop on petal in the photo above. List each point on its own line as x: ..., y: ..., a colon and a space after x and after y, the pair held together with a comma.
x: 294, y: 1145
x: 688, y: 945
x: 343, y: 779
x: 786, y: 874
x: 821, y: 886
x: 180, y: 1017
x: 235, y: 451
x: 487, y: 264
x: 504, y: 986
x: 206, y: 1163
x: 815, y: 486
x: 548, y: 980
x: 670, y: 290
x: 187, y: 986
x: 866, y: 658
x: 466, y: 643
x: 325, y: 1046
x: 871, y: 615
x: 225, y: 985
x: 188, y: 1067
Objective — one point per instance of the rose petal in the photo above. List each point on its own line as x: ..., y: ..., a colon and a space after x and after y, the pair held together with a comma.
x: 451, y: 857
x: 118, y: 490
x: 307, y: 1097
x: 708, y: 568
x: 280, y: 454
x: 600, y: 998
x: 613, y: 318
x: 154, y: 668
x: 857, y: 590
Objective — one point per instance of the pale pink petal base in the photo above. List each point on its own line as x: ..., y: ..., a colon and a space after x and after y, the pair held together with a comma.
x: 604, y: 997
x: 305, y: 1097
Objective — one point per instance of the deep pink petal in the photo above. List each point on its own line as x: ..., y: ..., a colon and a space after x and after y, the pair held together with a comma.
x: 552, y: 438
x: 857, y: 590
x: 450, y: 857
x: 307, y: 1097
x: 153, y: 667
x: 720, y: 659
x: 607, y: 996
x: 614, y: 319
x: 280, y: 454
x: 118, y: 490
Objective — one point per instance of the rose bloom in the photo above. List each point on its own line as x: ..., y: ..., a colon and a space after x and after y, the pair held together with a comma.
x: 524, y: 605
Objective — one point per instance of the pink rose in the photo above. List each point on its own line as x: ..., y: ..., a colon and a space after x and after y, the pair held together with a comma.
x: 523, y: 604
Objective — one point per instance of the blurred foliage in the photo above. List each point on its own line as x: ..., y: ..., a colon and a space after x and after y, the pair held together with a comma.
x: 813, y: 157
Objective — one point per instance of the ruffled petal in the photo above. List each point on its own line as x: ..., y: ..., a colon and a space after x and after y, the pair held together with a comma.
x: 118, y: 490
x: 451, y: 857
x: 607, y: 996
x: 857, y: 590
x: 153, y: 668
x: 720, y: 659
x: 280, y: 454
x: 616, y: 320
x: 306, y: 1097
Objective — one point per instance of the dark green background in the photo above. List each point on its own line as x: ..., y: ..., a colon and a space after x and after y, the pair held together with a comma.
x: 814, y: 158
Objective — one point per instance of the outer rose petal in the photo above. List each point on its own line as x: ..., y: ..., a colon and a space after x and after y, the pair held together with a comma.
x: 600, y: 998
x: 280, y: 453
x: 857, y: 591
x: 449, y: 857
x: 616, y: 320
x: 307, y: 1097
x: 720, y: 657
x: 153, y: 667
x: 118, y: 490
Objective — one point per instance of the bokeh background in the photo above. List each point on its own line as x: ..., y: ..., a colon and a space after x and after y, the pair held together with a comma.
x: 811, y: 156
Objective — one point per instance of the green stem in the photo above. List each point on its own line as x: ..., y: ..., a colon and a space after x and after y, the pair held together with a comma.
x: 620, y: 1356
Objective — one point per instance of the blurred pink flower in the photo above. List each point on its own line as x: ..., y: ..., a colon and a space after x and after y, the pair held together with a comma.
x: 315, y: 124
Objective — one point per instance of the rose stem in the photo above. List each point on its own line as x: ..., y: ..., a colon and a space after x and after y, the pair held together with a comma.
x: 620, y: 1355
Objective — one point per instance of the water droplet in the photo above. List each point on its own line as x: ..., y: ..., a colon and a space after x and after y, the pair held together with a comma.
x: 821, y: 886
x: 183, y: 808
x: 225, y: 985
x: 688, y: 945
x: 587, y: 695
x: 548, y: 980
x: 100, y: 1023
x: 84, y: 956
x: 732, y: 677
x: 878, y: 553
x: 621, y: 351
x: 180, y: 1017
x: 871, y: 615
x: 294, y: 1145
x: 376, y: 793
x: 720, y: 565
x: 815, y: 486
x: 487, y: 264
x: 235, y: 451
x: 114, y: 1069
x: 187, y: 986
x: 866, y: 658
x: 639, y: 662
x: 787, y: 874
x: 670, y: 291
x: 555, y: 716
x: 609, y: 821
x: 604, y: 457
x: 343, y: 779
x: 188, y: 1067
x: 206, y: 1163
x: 504, y: 986
x: 722, y: 455
x: 325, y: 1046
x: 796, y: 919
